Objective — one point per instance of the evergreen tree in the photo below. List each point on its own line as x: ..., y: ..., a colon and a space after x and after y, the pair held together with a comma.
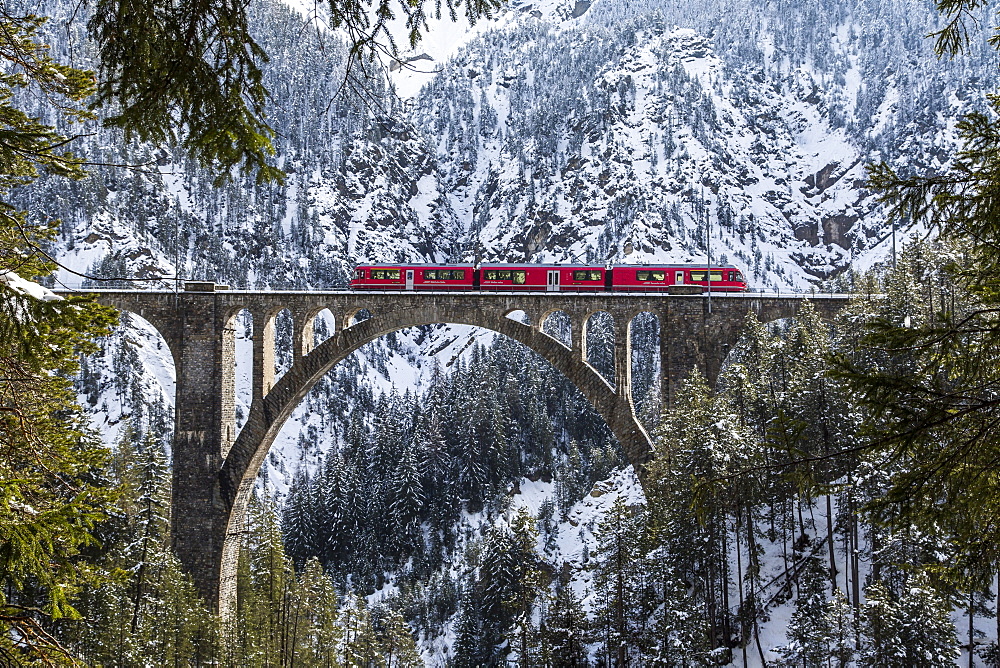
x: 678, y: 633
x: 913, y: 629
x: 566, y: 628
x: 701, y: 445
x: 407, y: 499
x: 472, y: 649
x: 51, y: 492
x: 151, y: 607
x: 618, y: 580
x: 315, y: 637
x: 932, y: 397
x: 396, y: 646
x: 810, y: 630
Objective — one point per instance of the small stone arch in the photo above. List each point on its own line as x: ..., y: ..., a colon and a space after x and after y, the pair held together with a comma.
x: 519, y: 316
x: 284, y: 342
x: 645, y: 365
x: 322, y: 325
x: 146, y: 338
x: 598, y: 343
x: 355, y: 316
x: 264, y: 361
x: 238, y: 382
x: 558, y: 325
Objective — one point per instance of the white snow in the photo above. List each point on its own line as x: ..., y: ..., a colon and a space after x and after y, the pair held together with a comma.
x: 27, y: 288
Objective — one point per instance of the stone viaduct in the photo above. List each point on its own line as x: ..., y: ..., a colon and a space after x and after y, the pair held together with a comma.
x: 214, y: 467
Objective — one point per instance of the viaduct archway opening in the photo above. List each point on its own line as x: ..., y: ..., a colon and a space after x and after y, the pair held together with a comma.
x: 501, y: 413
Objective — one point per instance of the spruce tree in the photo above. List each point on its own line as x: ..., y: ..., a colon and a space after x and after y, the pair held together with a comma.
x: 932, y: 399
x: 51, y: 492
x: 911, y: 629
x: 617, y: 581
x: 567, y: 628
x: 810, y: 631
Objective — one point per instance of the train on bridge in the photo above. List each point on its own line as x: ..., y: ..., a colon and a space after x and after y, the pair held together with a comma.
x: 671, y: 278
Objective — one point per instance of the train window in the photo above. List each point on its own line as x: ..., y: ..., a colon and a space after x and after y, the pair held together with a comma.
x: 430, y: 274
x: 490, y: 275
x: 642, y: 275
x: 699, y: 276
x: 503, y: 275
x: 520, y: 277
x: 444, y: 275
x: 579, y: 275
x: 595, y: 275
x: 386, y: 274
x: 458, y: 274
x: 586, y: 275
x: 659, y: 275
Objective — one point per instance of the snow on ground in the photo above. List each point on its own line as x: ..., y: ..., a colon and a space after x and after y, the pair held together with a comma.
x: 152, y: 364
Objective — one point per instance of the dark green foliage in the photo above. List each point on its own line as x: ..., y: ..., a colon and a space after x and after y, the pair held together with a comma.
x: 617, y: 581
x: 925, y: 370
x: 149, y: 607
x: 820, y: 627
x: 910, y: 629
x: 191, y: 72
x: 567, y: 630
x: 52, y: 489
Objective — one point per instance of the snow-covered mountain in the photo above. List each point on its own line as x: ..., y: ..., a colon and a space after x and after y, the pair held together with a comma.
x: 564, y: 130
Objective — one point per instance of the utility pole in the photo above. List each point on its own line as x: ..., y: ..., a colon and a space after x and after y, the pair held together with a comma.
x: 708, y: 234
x: 893, y: 243
x: 177, y: 262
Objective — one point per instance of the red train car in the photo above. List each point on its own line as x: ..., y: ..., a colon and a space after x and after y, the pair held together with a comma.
x: 657, y: 278
x: 542, y: 277
x: 413, y: 277
x: 547, y: 277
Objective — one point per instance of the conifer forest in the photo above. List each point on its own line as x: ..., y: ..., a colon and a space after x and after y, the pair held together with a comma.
x: 444, y: 496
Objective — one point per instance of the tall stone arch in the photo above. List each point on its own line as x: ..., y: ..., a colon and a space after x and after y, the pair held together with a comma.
x: 265, y: 420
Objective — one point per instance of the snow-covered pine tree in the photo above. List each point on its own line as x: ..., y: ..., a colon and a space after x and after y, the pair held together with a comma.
x: 618, y: 581
x: 406, y: 500
x: 911, y: 629
x: 810, y: 631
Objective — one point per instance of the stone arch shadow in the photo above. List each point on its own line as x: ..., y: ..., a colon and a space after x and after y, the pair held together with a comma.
x: 247, y: 454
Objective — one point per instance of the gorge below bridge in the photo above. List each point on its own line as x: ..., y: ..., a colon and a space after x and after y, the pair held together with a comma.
x: 214, y: 466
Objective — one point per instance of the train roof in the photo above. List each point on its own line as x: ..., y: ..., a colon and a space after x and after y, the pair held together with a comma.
x: 413, y: 264
x: 689, y: 265
x: 554, y: 265
x: 505, y: 265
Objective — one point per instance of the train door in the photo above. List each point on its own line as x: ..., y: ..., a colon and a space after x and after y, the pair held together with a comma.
x: 409, y: 279
x: 678, y: 278
x: 552, y: 285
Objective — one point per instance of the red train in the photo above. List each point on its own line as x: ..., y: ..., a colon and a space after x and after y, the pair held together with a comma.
x: 547, y: 277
